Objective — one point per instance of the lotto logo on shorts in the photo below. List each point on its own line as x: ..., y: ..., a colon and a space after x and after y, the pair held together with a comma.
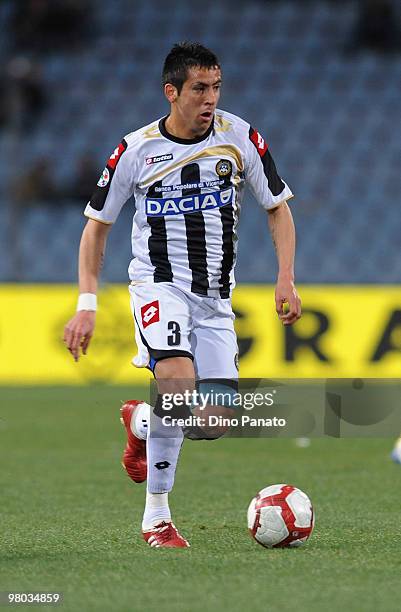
x: 150, y: 313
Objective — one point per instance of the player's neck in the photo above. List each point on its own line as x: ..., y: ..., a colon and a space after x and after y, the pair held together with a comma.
x: 180, y: 129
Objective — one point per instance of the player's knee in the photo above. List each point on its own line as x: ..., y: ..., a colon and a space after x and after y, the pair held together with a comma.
x: 216, y: 432
x: 210, y: 424
x: 218, y: 421
x: 171, y: 368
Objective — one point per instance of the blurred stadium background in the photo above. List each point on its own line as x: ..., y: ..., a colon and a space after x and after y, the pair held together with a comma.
x: 320, y: 79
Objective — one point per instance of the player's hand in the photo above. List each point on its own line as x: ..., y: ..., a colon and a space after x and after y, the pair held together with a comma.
x: 79, y: 331
x: 288, y: 303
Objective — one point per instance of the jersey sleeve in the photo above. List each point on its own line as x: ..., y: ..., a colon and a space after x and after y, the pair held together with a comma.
x: 114, y: 187
x: 261, y: 174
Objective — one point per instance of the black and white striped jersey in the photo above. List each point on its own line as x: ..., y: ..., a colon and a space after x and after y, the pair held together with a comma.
x: 188, y: 198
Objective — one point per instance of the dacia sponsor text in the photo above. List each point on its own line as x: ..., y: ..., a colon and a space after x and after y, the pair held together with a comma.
x: 161, y: 207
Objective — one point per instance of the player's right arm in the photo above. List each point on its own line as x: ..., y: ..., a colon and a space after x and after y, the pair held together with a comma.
x: 79, y: 330
x: 114, y: 188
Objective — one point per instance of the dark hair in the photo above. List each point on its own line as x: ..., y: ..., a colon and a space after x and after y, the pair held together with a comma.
x: 183, y: 56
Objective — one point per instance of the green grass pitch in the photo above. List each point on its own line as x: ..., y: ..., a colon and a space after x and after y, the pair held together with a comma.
x: 70, y: 517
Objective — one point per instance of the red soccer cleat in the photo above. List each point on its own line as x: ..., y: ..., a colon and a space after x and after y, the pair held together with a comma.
x: 165, y: 535
x: 134, y: 457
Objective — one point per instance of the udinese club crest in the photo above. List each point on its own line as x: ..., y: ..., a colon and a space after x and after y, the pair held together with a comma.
x: 224, y: 167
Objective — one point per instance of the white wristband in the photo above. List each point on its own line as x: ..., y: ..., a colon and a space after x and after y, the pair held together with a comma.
x: 87, y: 301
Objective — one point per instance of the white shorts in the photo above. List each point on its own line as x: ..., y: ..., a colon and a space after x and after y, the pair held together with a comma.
x: 173, y: 322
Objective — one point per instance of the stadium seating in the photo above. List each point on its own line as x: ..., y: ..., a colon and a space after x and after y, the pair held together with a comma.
x: 331, y: 119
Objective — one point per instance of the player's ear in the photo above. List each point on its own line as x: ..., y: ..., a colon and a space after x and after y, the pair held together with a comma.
x: 170, y: 92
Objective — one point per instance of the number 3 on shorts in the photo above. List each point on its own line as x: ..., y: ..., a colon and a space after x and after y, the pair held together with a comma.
x: 174, y: 339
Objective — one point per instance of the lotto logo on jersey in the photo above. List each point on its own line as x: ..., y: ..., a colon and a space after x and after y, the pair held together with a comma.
x: 158, y: 158
x: 115, y: 156
x: 160, y: 207
x: 259, y: 142
x: 150, y: 313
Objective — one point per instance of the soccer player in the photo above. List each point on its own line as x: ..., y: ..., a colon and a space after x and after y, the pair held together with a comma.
x: 187, y: 172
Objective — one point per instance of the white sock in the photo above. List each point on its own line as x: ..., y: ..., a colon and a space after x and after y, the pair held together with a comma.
x: 140, y: 421
x: 163, y: 446
x: 156, y: 510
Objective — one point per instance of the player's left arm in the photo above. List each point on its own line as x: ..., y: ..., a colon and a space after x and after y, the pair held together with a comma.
x: 282, y: 230
x: 272, y: 194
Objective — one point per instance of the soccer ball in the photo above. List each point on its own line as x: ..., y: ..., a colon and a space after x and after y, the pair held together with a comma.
x: 281, y: 515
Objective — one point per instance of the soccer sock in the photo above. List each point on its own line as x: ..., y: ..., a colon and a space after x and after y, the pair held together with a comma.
x: 156, y: 510
x: 163, y: 447
x: 140, y: 421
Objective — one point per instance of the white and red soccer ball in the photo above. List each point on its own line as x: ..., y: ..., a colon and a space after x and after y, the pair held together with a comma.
x: 281, y: 515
